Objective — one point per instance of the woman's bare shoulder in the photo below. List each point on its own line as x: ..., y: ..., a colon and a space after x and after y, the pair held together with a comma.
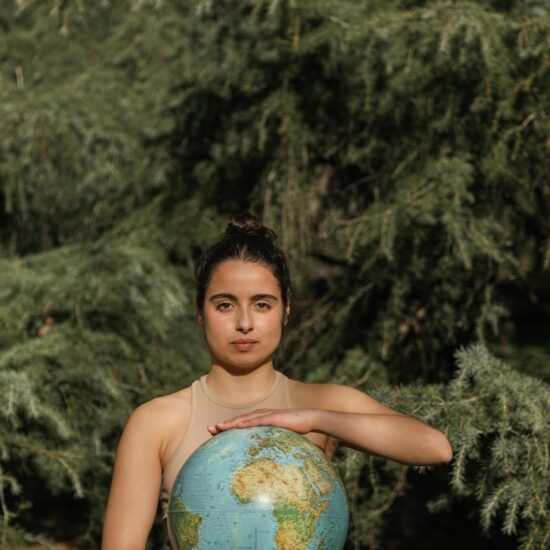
x: 307, y: 386
x: 304, y: 394
x: 165, y: 410
x: 337, y: 397
x: 312, y: 394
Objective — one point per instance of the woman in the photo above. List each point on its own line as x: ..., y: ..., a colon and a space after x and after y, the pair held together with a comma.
x: 243, y: 304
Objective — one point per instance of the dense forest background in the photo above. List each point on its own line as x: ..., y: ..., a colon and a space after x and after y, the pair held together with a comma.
x: 399, y: 149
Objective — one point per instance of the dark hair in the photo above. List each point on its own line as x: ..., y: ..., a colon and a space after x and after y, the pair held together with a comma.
x: 247, y: 239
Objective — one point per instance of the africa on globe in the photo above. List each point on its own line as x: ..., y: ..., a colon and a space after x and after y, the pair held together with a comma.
x: 258, y: 488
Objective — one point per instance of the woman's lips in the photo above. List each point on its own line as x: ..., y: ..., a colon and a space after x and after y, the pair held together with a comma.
x: 243, y: 345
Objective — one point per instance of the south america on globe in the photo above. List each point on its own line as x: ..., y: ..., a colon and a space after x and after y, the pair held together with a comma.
x: 258, y: 488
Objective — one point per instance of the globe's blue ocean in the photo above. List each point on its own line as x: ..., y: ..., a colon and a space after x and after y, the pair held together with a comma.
x: 258, y: 488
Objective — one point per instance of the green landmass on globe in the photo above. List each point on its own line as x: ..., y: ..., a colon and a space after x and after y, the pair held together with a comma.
x: 258, y: 488
x: 188, y: 528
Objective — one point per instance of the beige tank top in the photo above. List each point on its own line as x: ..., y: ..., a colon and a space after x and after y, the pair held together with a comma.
x: 205, y: 411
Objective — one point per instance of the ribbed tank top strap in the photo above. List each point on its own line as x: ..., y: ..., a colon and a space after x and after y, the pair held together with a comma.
x: 170, y: 471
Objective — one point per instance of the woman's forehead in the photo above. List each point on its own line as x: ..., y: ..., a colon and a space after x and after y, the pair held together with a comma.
x: 245, y: 278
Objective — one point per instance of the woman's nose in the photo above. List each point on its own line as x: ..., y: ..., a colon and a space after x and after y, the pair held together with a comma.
x: 244, y: 320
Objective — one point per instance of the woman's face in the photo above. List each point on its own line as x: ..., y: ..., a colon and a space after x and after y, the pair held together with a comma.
x: 242, y: 301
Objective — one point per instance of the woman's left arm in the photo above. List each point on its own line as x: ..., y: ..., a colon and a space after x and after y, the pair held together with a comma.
x: 354, y: 419
x: 395, y: 436
x: 360, y: 422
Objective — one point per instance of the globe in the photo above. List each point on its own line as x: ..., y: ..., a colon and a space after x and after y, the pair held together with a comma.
x: 258, y: 488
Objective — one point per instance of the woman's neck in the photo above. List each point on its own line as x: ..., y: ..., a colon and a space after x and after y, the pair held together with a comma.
x: 240, y: 385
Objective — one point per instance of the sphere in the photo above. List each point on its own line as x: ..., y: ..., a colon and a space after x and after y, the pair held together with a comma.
x: 258, y: 488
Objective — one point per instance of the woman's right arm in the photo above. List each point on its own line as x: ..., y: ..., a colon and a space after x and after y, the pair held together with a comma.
x: 135, y: 486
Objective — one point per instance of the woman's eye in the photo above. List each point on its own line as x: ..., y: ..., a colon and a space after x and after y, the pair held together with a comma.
x: 222, y: 306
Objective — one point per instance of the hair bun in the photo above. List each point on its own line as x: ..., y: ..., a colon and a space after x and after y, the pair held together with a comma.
x: 249, y: 224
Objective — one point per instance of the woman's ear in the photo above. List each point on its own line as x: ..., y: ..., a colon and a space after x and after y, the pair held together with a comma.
x: 198, y: 316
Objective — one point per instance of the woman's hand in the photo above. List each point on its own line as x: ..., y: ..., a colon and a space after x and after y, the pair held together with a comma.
x: 301, y: 421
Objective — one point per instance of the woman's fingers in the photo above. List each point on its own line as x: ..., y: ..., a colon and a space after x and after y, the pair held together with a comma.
x: 240, y: 421
x: 299, y: 420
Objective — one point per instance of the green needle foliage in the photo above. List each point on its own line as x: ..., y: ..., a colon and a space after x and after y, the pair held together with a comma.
x: 497, y: 422
x: 400, y: 151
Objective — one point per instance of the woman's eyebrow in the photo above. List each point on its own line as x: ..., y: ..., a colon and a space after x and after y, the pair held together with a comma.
x: 233, y: 297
